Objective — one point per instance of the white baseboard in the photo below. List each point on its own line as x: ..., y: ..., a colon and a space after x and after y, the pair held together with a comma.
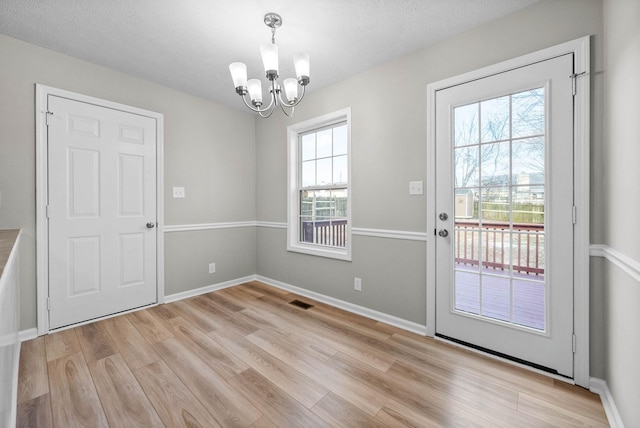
x: 14, y: 385
x: 600, y: 387
x: 28, y: 334
x: 207, y: 289
x: 349, y: 307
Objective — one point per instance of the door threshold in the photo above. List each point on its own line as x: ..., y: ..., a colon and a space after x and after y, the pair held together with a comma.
x: 536, y: 368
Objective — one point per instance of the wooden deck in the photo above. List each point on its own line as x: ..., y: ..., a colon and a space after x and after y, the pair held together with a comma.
x: 528, y: 295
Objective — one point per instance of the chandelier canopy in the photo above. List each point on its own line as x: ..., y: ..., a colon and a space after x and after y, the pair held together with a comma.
x: 253, y: 87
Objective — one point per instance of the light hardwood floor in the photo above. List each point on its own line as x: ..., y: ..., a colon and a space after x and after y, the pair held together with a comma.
x: 244, y: 356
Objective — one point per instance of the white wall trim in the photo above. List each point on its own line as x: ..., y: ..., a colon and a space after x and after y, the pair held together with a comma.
x: 390, y: 234
x: 207, y: 226
x: 294, y: 240
x: 14, y: 385
x: 42, y: 225
x: 347, y: 306
x: 28, y: 334
x: 341, y: 304
x: 271, y: 224
x: 624, y: 262
x: 580, y: 48
x: 600, y: 387
x: 362, y: 231
x: 207, y: 289
x: 358, y: 231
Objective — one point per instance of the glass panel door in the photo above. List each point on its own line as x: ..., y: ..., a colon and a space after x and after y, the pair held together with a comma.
x: 503, y: 198
x: 499, y: 205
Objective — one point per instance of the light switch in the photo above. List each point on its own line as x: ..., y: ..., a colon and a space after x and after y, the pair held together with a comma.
x: 178, y: 192
x: 415, y: 187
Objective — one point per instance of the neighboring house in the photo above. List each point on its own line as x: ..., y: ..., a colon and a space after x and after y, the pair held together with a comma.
x: 234, y: 167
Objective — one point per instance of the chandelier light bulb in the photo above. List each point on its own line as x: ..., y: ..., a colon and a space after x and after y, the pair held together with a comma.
x: 238, y: 74
x: 270, y: 60
x: 255, y: 91
x: 291, y: 89
x: 301, y: 64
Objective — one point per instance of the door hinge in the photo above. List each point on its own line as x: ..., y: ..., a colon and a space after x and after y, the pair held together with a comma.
x: 573, y: 343
x: 47, y: 211
x: 48, y: 303
x: 573, y: 78
x: 574, y: 214
x: 48, y: 116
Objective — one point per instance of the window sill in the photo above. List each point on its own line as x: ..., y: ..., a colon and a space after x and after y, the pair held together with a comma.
x: 331, y: 253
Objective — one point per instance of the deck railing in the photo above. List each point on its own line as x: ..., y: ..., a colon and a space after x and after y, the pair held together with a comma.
x: 492, y: 246
x: 325, y: 232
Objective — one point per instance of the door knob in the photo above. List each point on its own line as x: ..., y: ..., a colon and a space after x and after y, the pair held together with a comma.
x: 443, y: 232
x: 151, y: 225
x: 443, y: 216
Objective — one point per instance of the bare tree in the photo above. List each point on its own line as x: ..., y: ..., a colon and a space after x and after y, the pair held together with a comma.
x: 482, y: 128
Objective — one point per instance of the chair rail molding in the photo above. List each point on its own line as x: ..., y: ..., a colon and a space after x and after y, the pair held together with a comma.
x: 624, y: 262
x: 357, y: 231
x: 207, y: 226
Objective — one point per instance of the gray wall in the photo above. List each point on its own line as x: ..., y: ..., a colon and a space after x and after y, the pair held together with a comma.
x: 388, y: 107
x: 622, y: 204
x: 234, y: 169
x: 209, y: 149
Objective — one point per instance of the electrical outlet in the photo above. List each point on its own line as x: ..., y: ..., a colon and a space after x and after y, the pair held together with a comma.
x: 415, y: 188
x: 357, y: 284
x: 178, y: 192
x: 212, y: 268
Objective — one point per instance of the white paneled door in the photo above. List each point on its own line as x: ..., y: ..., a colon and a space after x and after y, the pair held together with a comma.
x: 101, y: 211
x: 504, y: 201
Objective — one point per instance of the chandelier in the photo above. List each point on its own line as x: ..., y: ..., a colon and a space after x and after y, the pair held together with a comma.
x: 253, y: 87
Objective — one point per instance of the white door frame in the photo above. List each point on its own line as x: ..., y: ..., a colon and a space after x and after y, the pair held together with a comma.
x: 42, y: 175
x: 580, y: 49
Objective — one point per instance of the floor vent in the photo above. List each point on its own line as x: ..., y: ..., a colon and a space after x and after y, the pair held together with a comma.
x: 300, y: 304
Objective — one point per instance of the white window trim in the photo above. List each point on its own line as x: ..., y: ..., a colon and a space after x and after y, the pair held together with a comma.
x: 293, y: 243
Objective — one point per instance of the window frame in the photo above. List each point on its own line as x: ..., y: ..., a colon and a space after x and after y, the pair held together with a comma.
x: 294, y: 131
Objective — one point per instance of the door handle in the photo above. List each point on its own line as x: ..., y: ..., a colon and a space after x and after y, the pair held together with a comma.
x: 151, y: 225
x: 443, y: 232
x: 443, y: 216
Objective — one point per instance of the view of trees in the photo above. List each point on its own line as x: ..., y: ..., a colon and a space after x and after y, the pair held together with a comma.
x: 499, y: 153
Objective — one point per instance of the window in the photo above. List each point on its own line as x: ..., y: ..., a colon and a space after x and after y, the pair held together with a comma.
x: 319, y: 200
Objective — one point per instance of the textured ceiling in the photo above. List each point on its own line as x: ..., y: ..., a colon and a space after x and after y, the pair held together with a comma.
x: 188, y: 44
